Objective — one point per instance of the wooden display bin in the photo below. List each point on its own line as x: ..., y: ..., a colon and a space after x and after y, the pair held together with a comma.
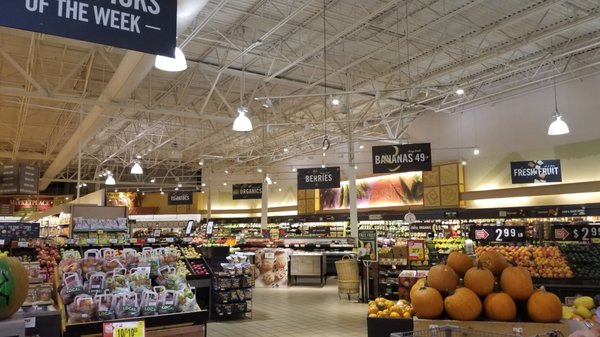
x: 384, y: 326
x: 474, y: 328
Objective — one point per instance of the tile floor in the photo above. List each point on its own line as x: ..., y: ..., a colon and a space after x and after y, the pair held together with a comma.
x: 297, y: 311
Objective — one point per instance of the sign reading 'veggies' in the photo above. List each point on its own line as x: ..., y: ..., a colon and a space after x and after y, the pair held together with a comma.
x: 313, y: 178
x: 149, y: 26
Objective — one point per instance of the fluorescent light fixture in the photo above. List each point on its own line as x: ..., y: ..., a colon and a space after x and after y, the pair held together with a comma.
x: 201, y: 163
x: 171, y: 64
x: 476, y: 151
x: 203, y: 184
x: 137, y: 168
x: 179, y: 185
x: 279, y: 189
x: 361, y: 147
x: 285, y: 149
x: 356, y: 167
x: 294, y: 169
x: 176, y: 188
x: 323, y: 166
x: 110, y: 180
x: 226, y: 171
x: 460, y: 91
x: 242, y: 123
x: 267, y: 104
x: 162, y: 192
x: 224, y: 184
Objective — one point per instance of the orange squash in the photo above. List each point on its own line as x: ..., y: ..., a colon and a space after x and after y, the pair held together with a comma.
x: 544, y: 307
x: 494, y: 261
x: 516, y: 282
x: 427, y: 302
x: 420, y: 282
x: 443, y: 278
x: 499, y: 306
x: 459, y: 262
x: 480, y: 280
x: 463, y: 305
x: 14, y: 284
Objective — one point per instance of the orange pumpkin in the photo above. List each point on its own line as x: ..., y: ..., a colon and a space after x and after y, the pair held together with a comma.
x: 463, y: 305
x: 420, y: 282
x: 460, y: 263
x: 516, y: 282
x: 427, y: 302
x: 443, y: 278
x: 494, y: 261
x: 544, y: 307
x: 500, y: 306
x: 480, y: 280
x: 14, y: 284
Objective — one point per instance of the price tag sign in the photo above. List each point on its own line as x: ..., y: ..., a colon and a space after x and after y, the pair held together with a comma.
x: 416, y: 250
x: 22, y: 244
x: 100, y: 232
x: 113, y: 241
x: 170, y: 240
x: 70, y: 241
x: 1, y: 242
x: 124, y: 329
x: 575, y: 232
x: 498, y: 233
x: 29, y: 322
x: 187, y: 240
x: 151, y: 240
x: 133, y: 241
x: 91, y: 241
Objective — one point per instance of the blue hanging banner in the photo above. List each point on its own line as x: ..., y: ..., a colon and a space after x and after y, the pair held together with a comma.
x: 148, y: 26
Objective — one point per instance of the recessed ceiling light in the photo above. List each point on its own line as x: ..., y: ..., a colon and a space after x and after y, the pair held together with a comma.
x: 226, y: 171
x: 201, y: 163
x: 460, y: 91
x: 335, y: 101
x: 476, y: 151
x: 153, y: 180
x: 361, y: 147
x: 259, y: 170
x: 279, y: 189
x: 294, y: 169
x: 203, y: 184
x: 224, y: 184
x: 285, y: 150
x: 323, y: 166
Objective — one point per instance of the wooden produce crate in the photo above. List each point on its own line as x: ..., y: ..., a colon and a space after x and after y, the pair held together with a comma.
x: 505, y: 328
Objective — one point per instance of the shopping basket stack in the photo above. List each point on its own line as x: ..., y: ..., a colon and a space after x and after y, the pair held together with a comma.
x: 347, y: 273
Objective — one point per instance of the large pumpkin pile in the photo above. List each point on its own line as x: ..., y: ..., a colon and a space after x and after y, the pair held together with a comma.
x: 491, y: 286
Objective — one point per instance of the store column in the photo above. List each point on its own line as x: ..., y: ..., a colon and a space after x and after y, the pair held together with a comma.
x: 264, y: 210
x: 351, y: 176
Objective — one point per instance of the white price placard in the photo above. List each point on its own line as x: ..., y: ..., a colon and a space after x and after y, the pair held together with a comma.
x: 23, y: 244
x: 2, y: 242
x: 29, y: 322
x: 151, y: 240
x: 113, y: 241
x: 170, y: 240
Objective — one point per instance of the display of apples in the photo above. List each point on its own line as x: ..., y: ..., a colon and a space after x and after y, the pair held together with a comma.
x: 542, y: 262
x: 199, y: 268
x: 48, y: 256
x: 583, y: 259
x: 189, y: 252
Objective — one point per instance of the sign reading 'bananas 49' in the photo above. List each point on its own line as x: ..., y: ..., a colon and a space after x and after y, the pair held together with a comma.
x: 401, y: 158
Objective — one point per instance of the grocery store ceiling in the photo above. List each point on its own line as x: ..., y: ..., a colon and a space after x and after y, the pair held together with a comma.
x: 389, y: 62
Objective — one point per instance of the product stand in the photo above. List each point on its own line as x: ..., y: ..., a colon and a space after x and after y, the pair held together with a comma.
x: 13, y: 326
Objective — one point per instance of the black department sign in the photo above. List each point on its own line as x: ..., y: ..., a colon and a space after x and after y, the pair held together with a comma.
x: 314, y: 178
x: 149, y: 26
x: 247, y: 191
x: 401, y: 158
x: 180, y: 198
x: 535, y: 171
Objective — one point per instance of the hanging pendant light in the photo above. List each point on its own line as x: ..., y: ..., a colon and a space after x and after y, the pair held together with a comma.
x: 110, y: 180
x: 558, y: 126
x: 242, y: 123
x: 165, y: 63
x: 137, y: 168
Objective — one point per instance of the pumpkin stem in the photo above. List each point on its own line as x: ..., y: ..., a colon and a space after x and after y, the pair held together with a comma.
x: 512, y: 262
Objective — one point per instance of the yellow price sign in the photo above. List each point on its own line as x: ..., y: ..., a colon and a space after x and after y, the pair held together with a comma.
x: 124, y: 329
x: 416, y: 250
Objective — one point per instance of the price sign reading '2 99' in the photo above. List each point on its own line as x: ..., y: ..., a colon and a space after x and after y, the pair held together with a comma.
x: 498, y: 233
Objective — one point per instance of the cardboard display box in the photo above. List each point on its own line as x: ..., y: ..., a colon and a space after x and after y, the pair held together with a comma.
x: 384, y: 326
x: 475, y: 328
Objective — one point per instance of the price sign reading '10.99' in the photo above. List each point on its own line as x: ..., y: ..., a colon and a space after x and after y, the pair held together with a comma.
x: 498, y: 233
x: 575, y: 232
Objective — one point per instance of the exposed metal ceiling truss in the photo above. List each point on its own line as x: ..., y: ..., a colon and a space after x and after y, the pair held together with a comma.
x: 389, y: 62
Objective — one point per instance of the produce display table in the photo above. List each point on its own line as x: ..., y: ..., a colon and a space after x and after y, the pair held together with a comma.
x: 307, y: 265
x: 13, y: 326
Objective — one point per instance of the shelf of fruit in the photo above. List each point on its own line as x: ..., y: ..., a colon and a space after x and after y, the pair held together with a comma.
x: 540, y: 261
x: 382, y: 307
x: 448, y: 245
x: 583, y: 259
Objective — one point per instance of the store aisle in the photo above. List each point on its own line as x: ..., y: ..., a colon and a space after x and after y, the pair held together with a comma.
x: 299, y: 311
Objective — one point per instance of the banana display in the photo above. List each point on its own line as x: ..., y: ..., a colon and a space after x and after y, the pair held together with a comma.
x: 448, y: 245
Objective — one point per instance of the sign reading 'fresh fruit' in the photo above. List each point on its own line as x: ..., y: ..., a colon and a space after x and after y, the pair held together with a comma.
x: 498, y: 233
x: 575, y: 232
